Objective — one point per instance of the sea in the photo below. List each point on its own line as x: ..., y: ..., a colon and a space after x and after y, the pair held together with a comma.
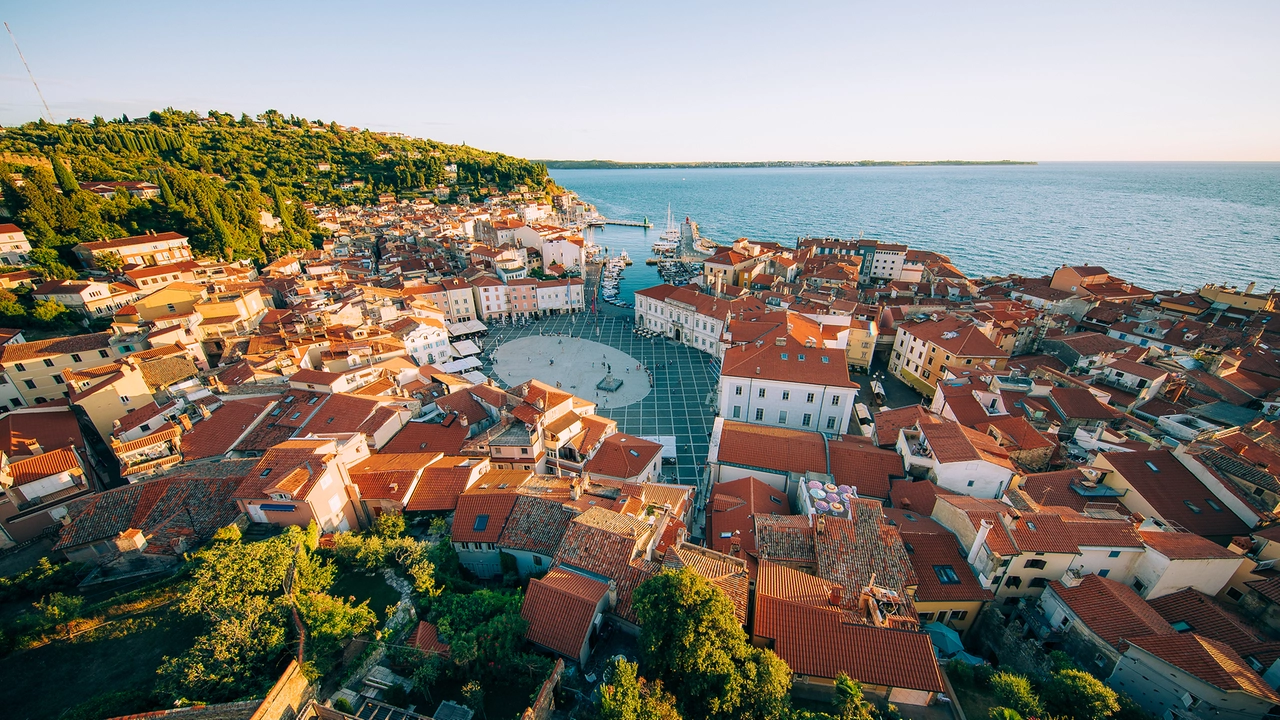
x: 1158, y: 225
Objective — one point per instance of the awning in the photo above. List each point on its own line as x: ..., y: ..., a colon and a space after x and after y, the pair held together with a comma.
x: 463, y: 348
x: 460, y: 366
x: 470, y: 327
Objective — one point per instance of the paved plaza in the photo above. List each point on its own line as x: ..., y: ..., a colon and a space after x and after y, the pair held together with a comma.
x: 572, y: 364
x: 678, y: 404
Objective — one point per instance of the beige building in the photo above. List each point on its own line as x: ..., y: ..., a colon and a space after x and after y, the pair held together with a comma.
x: 150, y: 249
x: 13, y: 245
x: 922, y: 349
x: 179, y: 298
x: 108, y: 392
x: 88, y: 297
x: 862, y: 343
x: 298, y: 481
x: 36, y: 367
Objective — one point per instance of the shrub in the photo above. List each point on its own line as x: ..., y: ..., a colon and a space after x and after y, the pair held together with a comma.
x: 961, y: 673
x: 342, y: 705
x: 982, y: 675
x: 1015, y: 691
x: 1077, y: 694
x: 1003, y: 713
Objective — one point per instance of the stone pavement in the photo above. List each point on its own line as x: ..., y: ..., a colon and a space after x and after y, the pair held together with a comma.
x: 679, y: 403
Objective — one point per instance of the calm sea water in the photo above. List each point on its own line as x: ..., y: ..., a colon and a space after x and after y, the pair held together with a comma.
x: 1160, y: 225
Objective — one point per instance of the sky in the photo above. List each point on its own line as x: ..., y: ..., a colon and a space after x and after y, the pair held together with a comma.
x: 686, y: 81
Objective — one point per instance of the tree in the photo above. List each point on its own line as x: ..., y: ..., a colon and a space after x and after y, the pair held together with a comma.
x: 850, y: 703
x: 1015, y: 691
x: 627, y: 696
x: 690, y: 639
x: 108, y: 261
x: 473, y: 693
x: 1077, y: 694
x: 330, y: 621
x: 228, y: 661
x: 1003, y: 713
x: 49, y: 311
x: 389, y: 525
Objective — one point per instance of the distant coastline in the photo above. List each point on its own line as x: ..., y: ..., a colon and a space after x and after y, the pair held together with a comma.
x: 615, y: 165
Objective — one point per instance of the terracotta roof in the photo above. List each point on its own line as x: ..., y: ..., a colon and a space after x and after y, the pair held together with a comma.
x: 124, y: 242
x: 560, y: 608
x: 733, y: 507
x: 481, y: 518
x: 1169, y: 487
x: 1208, y: 660
x: 37, y: 349
x: 1076, y: 403
x: 536, y: 525
x: 162, y: 509
x: 772, y: 448
x: 1185, y: 546
x: 918, y: 496
x: 1111, y: 610
x: 622, y: 456
x: 1208, y: 618
x: 816, y: 640
x: 389, y: 477
x: 427, y: 639
x: 785, y: 538
x: 958, y: 337
x: 859, y: 462
x: 217, y: 434
x: 29, y: 468
x: 441, y: 484
x: 1092, y: 343
x: 601, y: 541
x: 858, y: 550
x: 930, y: 551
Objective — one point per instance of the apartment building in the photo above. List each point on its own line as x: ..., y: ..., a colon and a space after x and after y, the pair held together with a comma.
x: 923, y: 348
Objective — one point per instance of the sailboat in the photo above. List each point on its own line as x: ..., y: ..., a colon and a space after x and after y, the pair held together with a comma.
x: 670, y: 236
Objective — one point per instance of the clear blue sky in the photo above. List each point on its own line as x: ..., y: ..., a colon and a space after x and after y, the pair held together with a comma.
x: 688, y: 80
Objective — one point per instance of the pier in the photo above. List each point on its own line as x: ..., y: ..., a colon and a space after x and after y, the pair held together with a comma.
x: 626, y: 223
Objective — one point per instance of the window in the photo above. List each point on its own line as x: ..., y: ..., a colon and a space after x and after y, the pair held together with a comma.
x: 782, y: 417
x: 75, y: 357
x: 737, y: 411
x: 737, y: 390
x: 810, y: 398
x: 1215, y: 506
x: 295, y: 416
x: 807, y: 419
x: 800, y: 357
x: 1138, y: 585
x: 1234, y: 594
x: 124, y: 399
x: 824, y: 359
x: 1182, y: 626
x: 537, y: 560
x: 1038, y: 582
x: 48, y: 362
x: 946, y: 574
x: 23, y: 369
x: 759, y: 413
x: 1113, y: 554
x: 101, y: 353
x: 524, y: 451
x: 1034, y: 564
x: 265, y: 472
x: 775, y: 499
x: 784, y: 356
x: 1104, y: 572
x: 30, y: 384
x: 835, y: 399
x: 959, y: 614
x: 482, y: 522
x: 1013, y: 581
x: 831, y: 423
x: 926, y: 617
x: 786, y: 394
x: 1194, y: 508
x: 761, y: 393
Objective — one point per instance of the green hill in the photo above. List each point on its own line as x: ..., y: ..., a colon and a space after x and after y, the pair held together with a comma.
x: 217, y: 172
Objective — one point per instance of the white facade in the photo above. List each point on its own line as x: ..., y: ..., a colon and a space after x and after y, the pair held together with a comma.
x: 559, y: 297
x: 975, y: 478
x: 10, y: 398
x: 794, y: 405
x: 14, y: 248
x: 1167, y: 691
x: 681, y: 322
x: 1155, y: 575
x: 887, y: 264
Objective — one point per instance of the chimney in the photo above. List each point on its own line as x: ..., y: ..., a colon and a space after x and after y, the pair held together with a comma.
x: 575, y: 490
x: 836, y: 596
x: 984, y: 528
x: 821, y: 524
x: 33, y: 447
x: 735, y: 545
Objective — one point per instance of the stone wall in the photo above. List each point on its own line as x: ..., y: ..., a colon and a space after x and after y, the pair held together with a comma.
x: 546, y: 702
x: 287, y: 698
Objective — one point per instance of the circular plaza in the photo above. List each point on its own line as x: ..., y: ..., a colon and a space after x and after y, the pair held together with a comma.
x: 578, y: 366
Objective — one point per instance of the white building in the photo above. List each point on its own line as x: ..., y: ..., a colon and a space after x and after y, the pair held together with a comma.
x: 690, y: 317
x: 793, y: 375
x: 556, y: 297
x: 14, y: 248
x: 955, y: 457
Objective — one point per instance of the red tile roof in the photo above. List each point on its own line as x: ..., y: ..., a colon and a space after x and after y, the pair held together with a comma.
x: 389, y: 477
x: 815, y: 640
x: 481, y: 518
x: 441, y: 484
x: 918, y: 496
x: 1169, y: 487
x: 162, y: 509
x: 772, y: 448
x: 623, y: 456
x: 29, y: 468
x: 217, y: 434
x: 733, y: 508
x: 1113, y: 611
x: 1208, y: 618
x: 1208, y: 660
x: 560, y: 608
x: 928, y: 551
x: 536, y: 524
x: 602, y: 541
x: 427, y: 639
x: 860, y: 463
x: 1185, y: 546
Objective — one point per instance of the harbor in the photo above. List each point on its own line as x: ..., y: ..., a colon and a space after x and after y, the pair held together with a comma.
x: 675, y: 256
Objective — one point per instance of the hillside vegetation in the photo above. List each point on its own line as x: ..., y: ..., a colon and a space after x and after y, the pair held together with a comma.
x: 216, y: 174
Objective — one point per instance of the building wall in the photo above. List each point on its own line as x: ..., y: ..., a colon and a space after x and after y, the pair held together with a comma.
x: 829, y: 410
x: 38, y: 381
x: 1160, y: 687
x: 976, y: 478
x: 1161, y: 576
x: 935, y: 611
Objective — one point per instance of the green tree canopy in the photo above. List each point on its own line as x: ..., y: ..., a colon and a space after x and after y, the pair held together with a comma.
x: 690, y: 640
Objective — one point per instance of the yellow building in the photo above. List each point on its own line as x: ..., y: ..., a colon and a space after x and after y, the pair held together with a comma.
x: 109, y: 392
x: 923, y: 348
x: 862, y: 343
x: 36, y: 367
x: 173, y: 299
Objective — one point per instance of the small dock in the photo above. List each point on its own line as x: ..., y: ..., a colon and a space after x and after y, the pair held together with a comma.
x: 625, y: 223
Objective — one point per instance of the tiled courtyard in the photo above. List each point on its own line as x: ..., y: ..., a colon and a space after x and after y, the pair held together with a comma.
x: 684, y: 382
